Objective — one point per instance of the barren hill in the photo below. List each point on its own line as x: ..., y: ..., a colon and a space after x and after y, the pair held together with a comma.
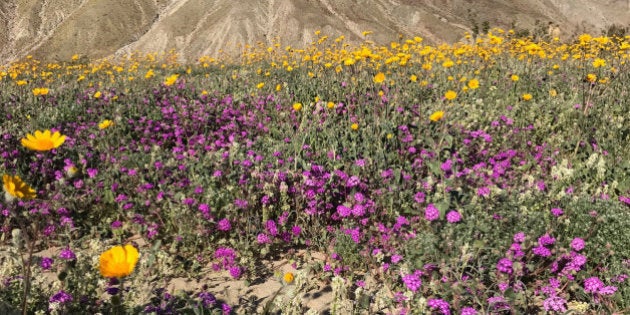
x: 57, y: 29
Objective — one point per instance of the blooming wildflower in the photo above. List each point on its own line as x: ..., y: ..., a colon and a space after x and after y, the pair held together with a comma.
x: 557, y: 212
x: 468, y: 311
x: 354, y: 126
x: 297, y: 107
x: 598, y: 62
x: 61, y: 297
x: 450, y: 95
x: 546, y: 240
x: 296, y: 230
x: 514, y: 78
x: 40, y: 91
x: 263, y: 238
x: 97, y: 94
x: 14, y: 187
x: 483, y: 191
x: 526, y: 97
x: 379, y: 77
x: 473, y: 84
x: 555, y: 303
x: 439, y: 304
x: 591, y: 78
x: 235, y: 272
x: 519, y: 237
x: 46, y: 263
x: 288, y: 277
x: 118, y: 261
x: 170, y: 80
x: 592, y: 284
x: 224, y: 225
x: 504, y: 265
x: 412, y: 282
x: 436, y: 116
x: 577, y: 244
x: 43, y: 140
x: 105, y: 124
x: 431, y: 213
x: 541, y: 251
x: 453, y: 216
x: 207, y: 299
x: 67, y: 254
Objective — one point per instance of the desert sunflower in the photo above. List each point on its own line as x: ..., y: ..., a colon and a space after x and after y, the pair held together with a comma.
x: 118, y: 261
x: 14, y: 187
x: 43, y: 140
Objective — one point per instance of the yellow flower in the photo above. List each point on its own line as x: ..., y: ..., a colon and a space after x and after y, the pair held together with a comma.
x: 105, y: 124
x: 171, y: 79
x: 297, y: 106
x: 379, y: 77
x: 473, y: 84
x: 98, y: 94
x: 40, y: 91
x: 413, y: 78
x: 149, y: 74
x: 436, y: 116
x: 14, y: 187
x: 514, y: 77
x: 591, y: 78
x: 288, y: 277
x: 526, y: 97
x: 330, y: 105
x: 354, y: 126
x: 448, y: 63
x: 278, y: 87
x: 118, y: 261
x: 43, y: 140
x: 553, y: 93
x: 260, y: 85
x: 450, y: 95
x: 75, y: 57
x: 598, y: 62
x: 21, y: 82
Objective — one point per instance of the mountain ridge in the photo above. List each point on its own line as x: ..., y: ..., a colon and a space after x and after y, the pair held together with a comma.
x: 57, y: 29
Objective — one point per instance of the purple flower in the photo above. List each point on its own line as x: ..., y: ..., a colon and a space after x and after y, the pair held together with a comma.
x: 412, y: 282
x: 296, y: 230
x: 504, y: 265
x: 546, y: 240
x: 541, y: 251
x: 61, y: 297
x: 438, y: 304
x: 577, y: 244
x: 224, y: 225
x: 483, y: 191
x: 271, y: 227
x: 67, y: 254
x: 262, y: 238
x: 207, y: 299
x: 431, y: 213
x: 555, y: 303
x: 557, y: 212
x: 453, y: 216
x: 592, y: 284
x: 46, y: 263
x: 352, y: 181
x: 419, y: 197
x: 235, y: 272
x: 519, y: 237
x: 468, y: 311
x: 226, y: 308
x: 609, y: 290
x: 343, y: 211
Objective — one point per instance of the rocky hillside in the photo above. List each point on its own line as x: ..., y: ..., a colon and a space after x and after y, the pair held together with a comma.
x: 57, y: 29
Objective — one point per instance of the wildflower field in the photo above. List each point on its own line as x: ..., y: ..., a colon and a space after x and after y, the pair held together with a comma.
x: 485, y: 178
